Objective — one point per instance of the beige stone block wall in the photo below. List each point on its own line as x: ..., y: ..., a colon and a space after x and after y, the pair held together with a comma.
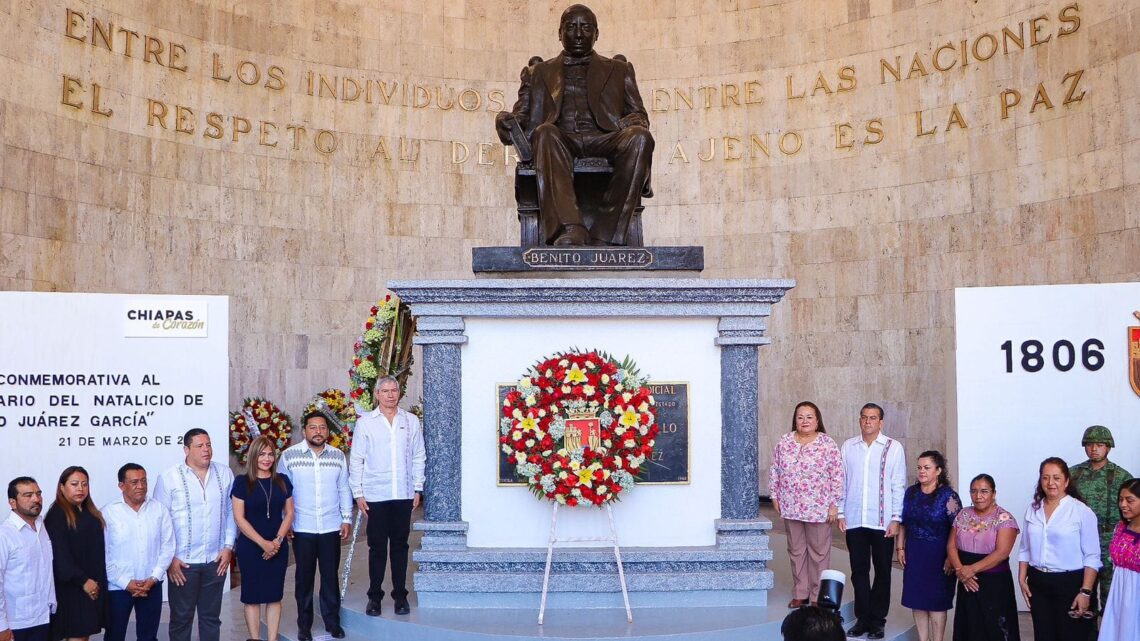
x: 785, y: 146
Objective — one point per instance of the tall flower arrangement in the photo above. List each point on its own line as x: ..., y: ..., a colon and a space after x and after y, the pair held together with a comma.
x: 383, y: 349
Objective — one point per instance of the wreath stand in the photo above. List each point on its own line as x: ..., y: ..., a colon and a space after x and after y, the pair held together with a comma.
x: 612, y: 538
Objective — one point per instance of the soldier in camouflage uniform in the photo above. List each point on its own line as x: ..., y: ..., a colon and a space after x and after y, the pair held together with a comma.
x: 1099, y: 480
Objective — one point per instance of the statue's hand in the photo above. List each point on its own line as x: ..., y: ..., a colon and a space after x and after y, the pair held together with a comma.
x: 632, y: 120
x: 502, y: 126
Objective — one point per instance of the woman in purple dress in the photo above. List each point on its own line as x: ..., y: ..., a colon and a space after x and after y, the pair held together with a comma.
x: 929, y: 508
x: 979, y: 549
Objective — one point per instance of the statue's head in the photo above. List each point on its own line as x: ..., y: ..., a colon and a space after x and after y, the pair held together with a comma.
x: 578, y: 30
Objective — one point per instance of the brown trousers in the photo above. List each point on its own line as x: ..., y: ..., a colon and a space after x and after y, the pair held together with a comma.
x: 809, y: 550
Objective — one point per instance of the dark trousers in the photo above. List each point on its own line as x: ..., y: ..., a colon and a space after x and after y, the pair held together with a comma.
x: 389, y: 523
x: 1053, y: 594
x: 38, y: 633
x: 202, y: 594
x: 313, y: 551
x: 148, y: 610
x: 630, y: 150
x: 868, y: 548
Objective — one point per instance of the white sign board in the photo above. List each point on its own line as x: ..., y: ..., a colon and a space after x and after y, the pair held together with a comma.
x: 1035, y: 367
x: 99, y: 380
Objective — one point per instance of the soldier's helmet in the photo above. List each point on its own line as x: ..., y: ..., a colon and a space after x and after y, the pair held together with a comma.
x: 1098, y: 434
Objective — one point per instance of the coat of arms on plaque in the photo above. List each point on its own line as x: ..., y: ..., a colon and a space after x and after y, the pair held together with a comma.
x: 1134, y: 356
x: 583, y: 429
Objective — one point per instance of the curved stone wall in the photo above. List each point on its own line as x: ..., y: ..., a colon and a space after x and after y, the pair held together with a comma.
x: 296, y: 155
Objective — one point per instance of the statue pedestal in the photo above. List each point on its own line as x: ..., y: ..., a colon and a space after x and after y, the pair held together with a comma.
x: 691, y: 544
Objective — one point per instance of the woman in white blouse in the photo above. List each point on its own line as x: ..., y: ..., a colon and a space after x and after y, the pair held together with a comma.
x: 1060, y: 557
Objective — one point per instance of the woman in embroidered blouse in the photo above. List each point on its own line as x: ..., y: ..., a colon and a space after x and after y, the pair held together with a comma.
x: 929, y: 509
x: 979, y: 549
x: 806, y: 484
x: 1120, y: 621
x: 1059, y: 557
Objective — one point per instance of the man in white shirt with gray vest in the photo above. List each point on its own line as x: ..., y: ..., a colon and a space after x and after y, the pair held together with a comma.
x: 322, y: 506
x: 386, y: 474
x: 870, y: 513
x: 27, y: 587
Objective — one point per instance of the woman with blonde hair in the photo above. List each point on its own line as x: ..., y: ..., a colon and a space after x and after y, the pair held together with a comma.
x: 263, y: 511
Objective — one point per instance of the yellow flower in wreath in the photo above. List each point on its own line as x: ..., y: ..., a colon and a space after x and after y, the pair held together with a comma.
x: 575, y: 376
x: 629, y: 418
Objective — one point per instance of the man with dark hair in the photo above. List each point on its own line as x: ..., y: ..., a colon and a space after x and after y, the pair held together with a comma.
x: 140, y: 547
x: 386, y: 476
x: 581, y: 104
x: 27, y: 587
x: 812, y: 623
x: 322, y: 506
x: 874, y: 482
x: 197, y: 494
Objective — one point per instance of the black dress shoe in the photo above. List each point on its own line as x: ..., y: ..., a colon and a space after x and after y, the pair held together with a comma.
x: 373, y: 609
x: 402, y: 607
x: 858, y: 630
x: 304, y: 635
x: 335, y: 632
x: 877, y: 633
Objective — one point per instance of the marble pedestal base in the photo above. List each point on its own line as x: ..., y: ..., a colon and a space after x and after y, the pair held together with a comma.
x: 732, y: 571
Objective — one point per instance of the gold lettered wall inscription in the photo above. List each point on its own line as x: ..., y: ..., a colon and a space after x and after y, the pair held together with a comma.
x: 785, y: 114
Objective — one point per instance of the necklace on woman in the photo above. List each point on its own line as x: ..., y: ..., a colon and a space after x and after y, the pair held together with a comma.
x: 268, y: 495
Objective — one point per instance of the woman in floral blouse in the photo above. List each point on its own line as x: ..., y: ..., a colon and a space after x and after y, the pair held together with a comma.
x: 806, y: 484
x: 979, y: 549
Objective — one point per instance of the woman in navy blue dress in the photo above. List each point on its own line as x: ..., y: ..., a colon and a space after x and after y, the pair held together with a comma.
x: 929, y: 508
x: 263, y: 511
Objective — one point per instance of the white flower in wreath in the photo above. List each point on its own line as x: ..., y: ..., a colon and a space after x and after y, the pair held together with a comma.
x: 516, y: 435
x: 565, y: 389
x: 643, y: 430
x: 588, y: 390
x: 608, y: 443
x: 576, y: 492
x: 605, y: 378
x: 624, y: 479
x: 558, y: 427
x: 507, y: 449
x: 606, y: 418
x: 619, y: 430
x: 530, y: 441
x: 561, y: 499
x: 627, y: 397
x: 524, y: 382
x: 576, y: 457
x: 505, y: 425
x: 547, y: 483
x: 520, y: 457
x: 602, y: 489
x: 517, y: 413
x: 531, y: 400
x: 644, y: 407
x: 563, y: 363
x: 629, y: 443
x: 528, y: 470
x: 563, y: 475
